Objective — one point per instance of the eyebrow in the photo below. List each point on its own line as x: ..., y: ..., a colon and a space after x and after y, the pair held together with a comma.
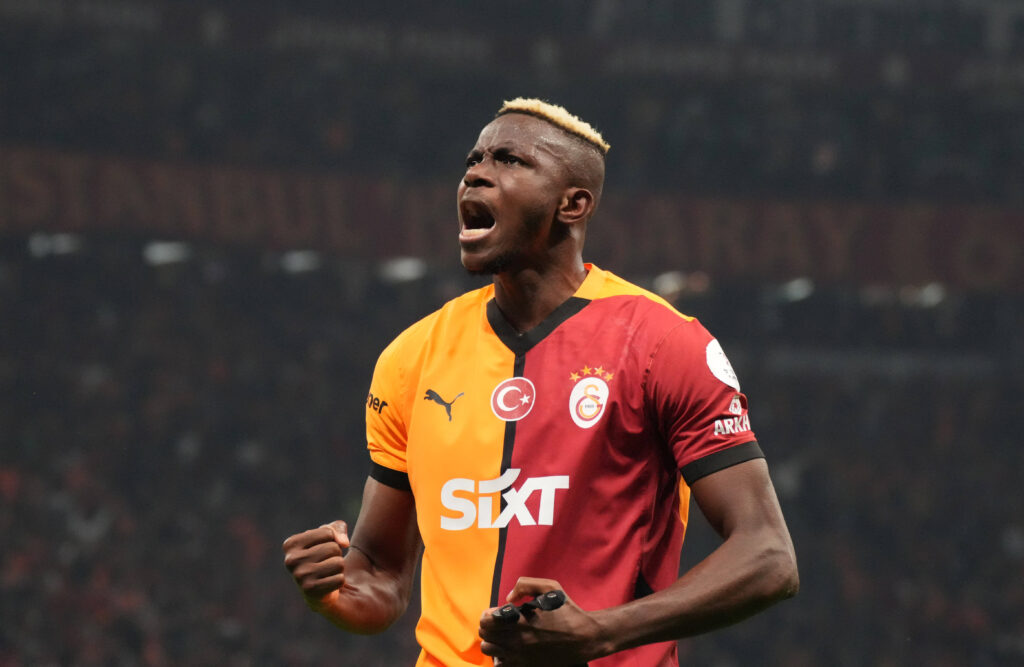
x: 501, y: 150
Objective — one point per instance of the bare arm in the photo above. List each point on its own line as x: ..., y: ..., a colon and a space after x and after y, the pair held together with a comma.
x: 367, y: 588
x: 754, y: 567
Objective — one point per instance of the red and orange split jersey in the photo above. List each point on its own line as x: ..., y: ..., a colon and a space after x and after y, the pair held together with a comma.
x: 561, y: 453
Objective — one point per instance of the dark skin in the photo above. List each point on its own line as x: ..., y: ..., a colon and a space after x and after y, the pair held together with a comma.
x: 364, y: 583
x: 524, y: 203
x: 522, y: 173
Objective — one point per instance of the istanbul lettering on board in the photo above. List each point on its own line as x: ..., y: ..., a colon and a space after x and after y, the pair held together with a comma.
x: 972, y: 247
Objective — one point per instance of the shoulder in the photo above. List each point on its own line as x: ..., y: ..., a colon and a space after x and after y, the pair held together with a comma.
x: 673, y: 337
x: 609, y: 287
x: 616, y: 297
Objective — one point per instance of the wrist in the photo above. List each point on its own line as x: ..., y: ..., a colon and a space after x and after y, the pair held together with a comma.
x: 603, y: 640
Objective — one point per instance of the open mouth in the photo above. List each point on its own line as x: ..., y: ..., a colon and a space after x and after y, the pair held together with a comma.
x: 476, y: 218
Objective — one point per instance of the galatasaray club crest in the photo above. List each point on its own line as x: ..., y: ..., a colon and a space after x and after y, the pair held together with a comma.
x: 589, y: 395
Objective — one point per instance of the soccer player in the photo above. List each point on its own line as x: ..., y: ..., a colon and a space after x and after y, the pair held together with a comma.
x: 546, y: 432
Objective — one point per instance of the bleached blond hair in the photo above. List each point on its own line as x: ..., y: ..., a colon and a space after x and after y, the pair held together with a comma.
x: 557, y: 116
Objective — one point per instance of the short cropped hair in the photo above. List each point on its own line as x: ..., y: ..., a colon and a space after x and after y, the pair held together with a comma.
x: 557, y: 116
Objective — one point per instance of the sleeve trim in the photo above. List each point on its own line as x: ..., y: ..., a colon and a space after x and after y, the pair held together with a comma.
x: 720, y: 460
x: 389, y: 477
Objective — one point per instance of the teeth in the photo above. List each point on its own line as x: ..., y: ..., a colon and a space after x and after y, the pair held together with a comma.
x: 474, y: 232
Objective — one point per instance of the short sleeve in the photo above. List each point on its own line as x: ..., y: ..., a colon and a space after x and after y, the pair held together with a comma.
x: 695, y: 397
x: 386, y: 434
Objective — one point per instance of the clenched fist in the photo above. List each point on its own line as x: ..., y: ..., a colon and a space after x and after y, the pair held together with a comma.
x: 316, y: 560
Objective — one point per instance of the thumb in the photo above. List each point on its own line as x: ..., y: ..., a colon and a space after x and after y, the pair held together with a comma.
x: 531, y: 587
x: 339, y: 531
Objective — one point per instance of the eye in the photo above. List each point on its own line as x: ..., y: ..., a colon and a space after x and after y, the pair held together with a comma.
x: 509, y: 159
x: 472, y: 160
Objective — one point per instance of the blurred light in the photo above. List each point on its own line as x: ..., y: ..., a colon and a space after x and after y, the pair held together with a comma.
x: 674, y: 284
x: 159, y: 253
x: 932, y: 295
x: 670, y: 284
x: 403, y: 269
x: 65, y: 244
x: 300, y: 261
x: 41, y: 245
x: 797, y: 289
x: 929, y: 296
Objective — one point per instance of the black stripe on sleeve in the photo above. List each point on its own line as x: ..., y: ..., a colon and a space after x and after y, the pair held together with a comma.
x: 721, y: 460
x: 388, y: 477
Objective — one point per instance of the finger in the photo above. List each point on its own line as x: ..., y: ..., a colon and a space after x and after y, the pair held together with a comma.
x: 493, y: 625
x: 323, y: 587
x: 531, y: 587
x: 309, y: 537
x: 317, y: 553
x: 507, y: 615
x: 339, y: 532
x: 318, y: 579
x: 301, y: 540
x: 319, y: 569
x: 487, y: 619
x: 547, y: 601
x: 493, y: 650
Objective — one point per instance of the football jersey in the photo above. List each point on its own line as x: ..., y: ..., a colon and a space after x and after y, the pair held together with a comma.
x: 564, y: 452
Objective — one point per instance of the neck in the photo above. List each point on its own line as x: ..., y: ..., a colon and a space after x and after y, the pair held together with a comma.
x: 526, y: 297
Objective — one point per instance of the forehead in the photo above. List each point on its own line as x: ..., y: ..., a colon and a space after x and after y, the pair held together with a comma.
x: 521, y: 132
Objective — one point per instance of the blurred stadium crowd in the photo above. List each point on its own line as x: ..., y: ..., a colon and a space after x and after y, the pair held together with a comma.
x: 167, y: 420
x: 784, y: 97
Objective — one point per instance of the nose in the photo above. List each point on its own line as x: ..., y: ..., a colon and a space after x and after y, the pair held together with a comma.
x: 478, y: 175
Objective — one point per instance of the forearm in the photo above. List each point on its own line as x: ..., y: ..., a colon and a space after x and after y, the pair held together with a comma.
x: 743, y: 576
x: 370, y: 600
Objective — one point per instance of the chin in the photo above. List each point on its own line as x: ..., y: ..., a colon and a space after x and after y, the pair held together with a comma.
x: 489, y: 267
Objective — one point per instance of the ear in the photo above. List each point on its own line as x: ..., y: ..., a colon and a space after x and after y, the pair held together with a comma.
x: 577, y: 206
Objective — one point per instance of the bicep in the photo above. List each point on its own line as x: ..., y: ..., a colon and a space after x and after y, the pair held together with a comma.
x: 386, y: 531
x: 741, y: 498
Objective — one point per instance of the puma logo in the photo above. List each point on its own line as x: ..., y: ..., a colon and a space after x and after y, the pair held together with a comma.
x: 435, y: 397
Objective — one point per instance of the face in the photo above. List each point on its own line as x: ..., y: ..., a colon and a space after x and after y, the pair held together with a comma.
x: 510, y: 193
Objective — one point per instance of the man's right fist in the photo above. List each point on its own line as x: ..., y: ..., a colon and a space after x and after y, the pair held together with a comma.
x: 316, y: 560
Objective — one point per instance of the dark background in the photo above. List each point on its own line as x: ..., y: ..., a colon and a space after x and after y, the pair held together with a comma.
x: 213, y: 216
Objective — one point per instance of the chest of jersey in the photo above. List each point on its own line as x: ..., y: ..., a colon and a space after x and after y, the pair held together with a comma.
x: 507, y: 431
